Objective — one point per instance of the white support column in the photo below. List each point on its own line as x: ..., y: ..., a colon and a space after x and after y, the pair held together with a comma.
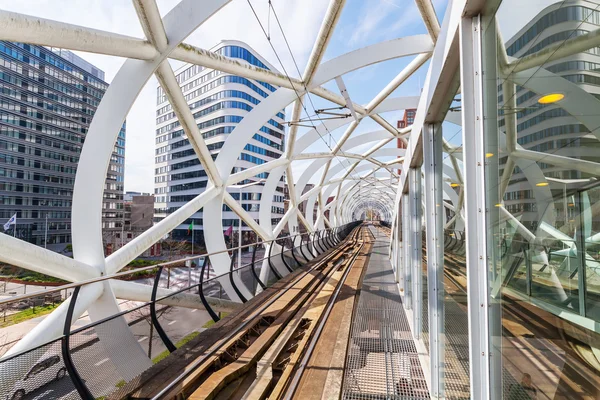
x: 433, y: 165
x: 399, y: 244
x: 406, y: 273
x: 475, y: 207
x: 414, y: 176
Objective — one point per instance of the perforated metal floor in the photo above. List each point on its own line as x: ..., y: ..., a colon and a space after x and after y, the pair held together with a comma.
x: 382, y: 360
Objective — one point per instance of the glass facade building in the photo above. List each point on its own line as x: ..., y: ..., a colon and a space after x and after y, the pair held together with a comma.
x: 219, y: 101
x: 47, y: 100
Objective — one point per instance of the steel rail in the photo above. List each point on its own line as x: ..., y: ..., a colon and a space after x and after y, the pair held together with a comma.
x: 322, y: 321
x: 248, y: 320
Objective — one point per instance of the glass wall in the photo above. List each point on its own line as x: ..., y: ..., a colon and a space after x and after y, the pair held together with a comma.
x: 542, y: 143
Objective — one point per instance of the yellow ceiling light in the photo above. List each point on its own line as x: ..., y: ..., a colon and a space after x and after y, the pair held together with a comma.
x: 541, y: 184
x: 489, y: 155
x: 551, y: 98
x: 454, y: 184
x: 498, y: 205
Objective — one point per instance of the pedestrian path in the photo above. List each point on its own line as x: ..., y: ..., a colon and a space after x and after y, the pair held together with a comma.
x: 382, y: 360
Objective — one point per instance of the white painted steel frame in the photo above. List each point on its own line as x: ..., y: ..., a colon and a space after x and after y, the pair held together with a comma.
x: 434, y: 212
x: 475, y: 206
x: 416, y: 253
x: 164, y: 40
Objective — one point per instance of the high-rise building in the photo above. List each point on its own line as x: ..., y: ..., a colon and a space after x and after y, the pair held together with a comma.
x: 47, y: 100
x: 407, y: 119
x: 548, y: 128
x: 219, y: 101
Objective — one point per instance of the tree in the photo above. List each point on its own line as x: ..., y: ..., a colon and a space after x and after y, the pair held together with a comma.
x: 144, y: 314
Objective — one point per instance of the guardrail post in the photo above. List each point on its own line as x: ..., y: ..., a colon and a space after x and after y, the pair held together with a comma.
x: 301, y: 250
x: 82, y: 390
x: 159, y: 329
x: 309, y: 244
x: 318, y: 242
x: 328, y: 238
x: 293, y: 239
x: 271, y: 266
x: 207, y: 306
x: 528, y: 271
x: 262, y: 285
x: 232, y: 281
x: 283, y: 257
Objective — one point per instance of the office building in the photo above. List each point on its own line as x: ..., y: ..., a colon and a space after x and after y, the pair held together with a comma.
x: 548, y: 128
x: 47, y: 101
x: 219, y: 101
x: 138, y: 210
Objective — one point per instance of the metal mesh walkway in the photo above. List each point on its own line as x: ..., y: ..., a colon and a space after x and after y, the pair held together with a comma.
x: 382, y: 360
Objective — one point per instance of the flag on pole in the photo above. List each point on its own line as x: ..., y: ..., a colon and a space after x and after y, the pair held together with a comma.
x: 190, y: 228
x: 229, y: 231
x: 11, y: 221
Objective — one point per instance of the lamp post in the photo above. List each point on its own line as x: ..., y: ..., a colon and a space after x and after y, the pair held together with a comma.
x: 46, y: 232
x: 240, y: 187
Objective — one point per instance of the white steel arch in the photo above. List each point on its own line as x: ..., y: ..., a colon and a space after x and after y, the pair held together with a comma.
x: 344, y: 171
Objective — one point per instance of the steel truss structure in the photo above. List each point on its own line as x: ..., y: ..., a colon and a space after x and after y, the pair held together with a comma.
x: 355, y: 181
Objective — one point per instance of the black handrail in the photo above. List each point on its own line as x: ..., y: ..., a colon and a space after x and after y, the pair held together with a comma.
x: 262, y: 285
x: 294, y: 254
x: 207, y: 306
x: 283, y: 258
x: 159, y: 329
x: 301, y: 250
x: 314, y: 244
x: 319, y: 244
x: 82, y: 390
x: 237, y: 291
x: 270, y: 263
x: 331, y: 244
x: 309, y: 245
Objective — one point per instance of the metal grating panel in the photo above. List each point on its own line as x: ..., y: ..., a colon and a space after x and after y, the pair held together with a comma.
x: 382, y: 360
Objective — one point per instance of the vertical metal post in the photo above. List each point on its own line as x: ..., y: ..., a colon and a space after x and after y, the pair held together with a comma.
x: 405, y: 280
x: 580, y: 245
x: 232, y: 281
x: 309, y: 245
x: 159, y: 329
x: 414, y: 176
x: 79, y: 384
x: 399, y: 243
x: 528, y: 270
x: 207, y: 306
x: 287, y: 266
x: 273, y: 269
x: 432, y: 165
x: 475, y: 207
x: 240, y: 234
x: 293, y: 240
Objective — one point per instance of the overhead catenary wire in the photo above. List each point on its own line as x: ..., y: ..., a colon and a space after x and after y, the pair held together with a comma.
x: 299, y: 98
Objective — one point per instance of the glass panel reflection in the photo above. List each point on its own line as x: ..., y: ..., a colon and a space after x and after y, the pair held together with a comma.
x: 542, y: 114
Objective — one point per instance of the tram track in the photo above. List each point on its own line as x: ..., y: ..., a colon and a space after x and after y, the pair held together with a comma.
x: 265, y: 355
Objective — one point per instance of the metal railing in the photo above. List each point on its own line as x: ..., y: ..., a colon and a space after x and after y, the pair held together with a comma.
x: 76, y: 356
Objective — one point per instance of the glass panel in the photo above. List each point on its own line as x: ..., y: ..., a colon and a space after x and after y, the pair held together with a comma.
x: 590, y: 204
x: 541, y: 138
